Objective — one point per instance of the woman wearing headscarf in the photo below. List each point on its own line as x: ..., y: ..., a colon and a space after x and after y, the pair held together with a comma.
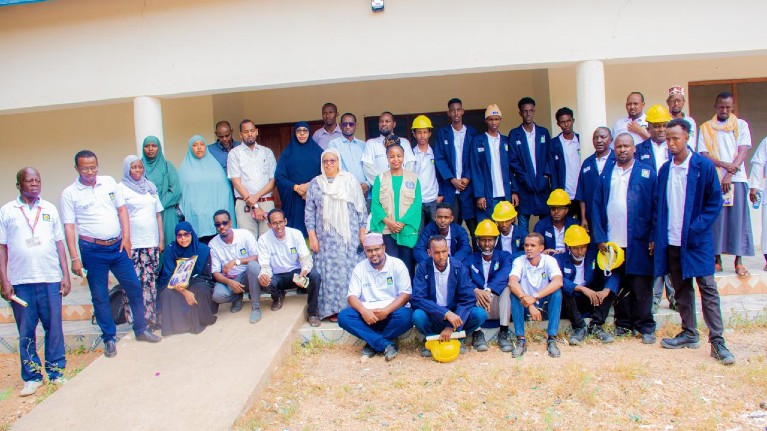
x: 186, y: 307
x: 336, y: 221
x: 205, y: 188
x: 164, y: 176
x: 146, y: 229
x: 298, y: 164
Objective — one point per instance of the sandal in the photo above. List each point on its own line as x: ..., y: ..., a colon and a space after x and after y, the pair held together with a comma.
x: 718, y: 267
x: 333, y: 318
x: 741, y: 271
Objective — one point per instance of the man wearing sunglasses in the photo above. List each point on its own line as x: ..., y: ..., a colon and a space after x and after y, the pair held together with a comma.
x: 351, y: 150
x: 234, y: 264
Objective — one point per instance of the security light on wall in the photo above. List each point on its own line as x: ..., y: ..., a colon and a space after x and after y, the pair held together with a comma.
x: 377, y: 5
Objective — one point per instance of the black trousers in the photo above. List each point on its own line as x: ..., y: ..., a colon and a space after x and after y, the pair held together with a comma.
x: 283, y: 281
x: 404, y: 253
x: 685, y: 298
x: 633, y: 306
x: 574, y: 306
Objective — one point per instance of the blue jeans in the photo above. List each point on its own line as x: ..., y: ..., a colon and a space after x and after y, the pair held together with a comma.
x: 427, y: 327
x: 44, y: 301
x: 380, y: 334
x: 98, y: 260
x: 552, y: 305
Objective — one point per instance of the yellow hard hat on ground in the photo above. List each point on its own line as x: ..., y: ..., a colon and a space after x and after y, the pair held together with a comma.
x: 576, y: 235
x: 558, y: 198
x: 658, y: 114
x: 612, y: 259
x: 444, y: 351
x: 421, y: 122
x: 486, y: 228
x: 504, y: 211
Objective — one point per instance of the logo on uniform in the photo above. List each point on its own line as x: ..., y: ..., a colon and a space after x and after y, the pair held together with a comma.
x: 586, y: 169
x: 243, y: 252
x: 293, y: 250
x: 645, y: 173
x: 389, y: 280
x: 519, y: 142
x: 548, y: 234
x: 645, y: 156
x: 568, y: 271
x: 112, y: 195
x: 46, y: 217
x: 497, y: 265
x: 410, y: 184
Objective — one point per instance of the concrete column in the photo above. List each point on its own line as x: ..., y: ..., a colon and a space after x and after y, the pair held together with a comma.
x: 147, y: 119
x: 592, y: 108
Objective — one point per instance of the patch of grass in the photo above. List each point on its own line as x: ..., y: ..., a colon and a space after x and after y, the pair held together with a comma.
x: 313, y: 346
x: 5, y: 393
x: 745, y: 321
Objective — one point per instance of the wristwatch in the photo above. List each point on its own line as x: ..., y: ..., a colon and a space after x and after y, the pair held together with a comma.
x: 237, y: 262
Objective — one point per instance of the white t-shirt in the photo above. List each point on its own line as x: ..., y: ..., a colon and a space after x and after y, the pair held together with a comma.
x: 243, y: 245
x: 660, y: 153
x: 31, y: 261
x: 559, y: 238
x: 282, y: 255
x: 580, y: 274
x: 369, y: 284
x: 728, y: 148
x: 93, y: 209
x: 572, y: 152
x: 495, y: 165
x: 375, y: 155
x: 440, y: 284
x: 675, y: 197
x: 602, y: 161
x: 530, y: 136
x: 142, y: 210
x: 621, y: 126
x: 427, y: 174
x: 534, y: 278
x: 459, y: 138
x: 617, y: 206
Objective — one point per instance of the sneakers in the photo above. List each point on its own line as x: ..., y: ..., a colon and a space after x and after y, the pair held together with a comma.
x: 368, y: 351
x: 520, y: 348
x: 720, y: 352
x: 390, y: 352
x: 551, y: 347
x: 478, y: 341
x: 503, y: 341
x: 30, y: 388
x: 255, y: 315
x: 579, y: 334
x: 237, y: 304
x: 681, y: 341
x: 600, y: 334
x: 648, y: 338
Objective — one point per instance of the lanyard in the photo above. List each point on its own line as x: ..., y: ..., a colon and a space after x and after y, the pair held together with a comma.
x: 37, y: 218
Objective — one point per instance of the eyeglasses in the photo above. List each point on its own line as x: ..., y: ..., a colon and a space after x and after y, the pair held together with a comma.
x: 183, y: 235
x: 349, y: 124
x: 86, y: 169
x: 330, y: 161
x: 278, y: 223
x: 219, y: 224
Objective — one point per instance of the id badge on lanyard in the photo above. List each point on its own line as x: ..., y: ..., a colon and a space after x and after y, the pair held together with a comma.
x: 34, y: 241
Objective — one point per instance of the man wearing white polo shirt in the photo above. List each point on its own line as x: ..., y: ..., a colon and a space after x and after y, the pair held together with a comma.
x: 33, y: 267
x: 536, y: 284
x: 634, y: 123
x: 374, y: 161
x: 93, y: 212
x: 283, y: 256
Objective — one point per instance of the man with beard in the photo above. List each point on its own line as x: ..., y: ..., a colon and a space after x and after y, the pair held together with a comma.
x: 458, y: 241
x: 224, y: 143
x: 351, y: 150
x: 634, y: 122
x: 591, y: 169
x: 675, y: 102
x: 329, y: 130
x: 374, y: 159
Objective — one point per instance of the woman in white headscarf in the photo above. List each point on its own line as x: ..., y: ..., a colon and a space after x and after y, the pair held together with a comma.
x: 336, y: 222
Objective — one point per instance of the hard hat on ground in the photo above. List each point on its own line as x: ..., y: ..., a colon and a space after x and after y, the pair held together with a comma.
x: 558, y: 198
x: 504, y: 211
x: 421, y: 122
x: 486, y: 228
x: 444, y: 351
x: 612, y: 259
x: 658, y: 114
x: 576, y: 235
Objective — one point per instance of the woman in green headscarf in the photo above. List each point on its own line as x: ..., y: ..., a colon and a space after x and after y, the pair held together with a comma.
x: 164, y: 176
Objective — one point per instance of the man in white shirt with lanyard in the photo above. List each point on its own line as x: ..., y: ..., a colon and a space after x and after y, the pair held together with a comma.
x: 374, y: 159
x: 33, y: 267
x: 93, y: 212
x: 285, y: 262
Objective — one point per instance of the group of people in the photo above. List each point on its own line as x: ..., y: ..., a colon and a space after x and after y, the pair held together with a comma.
x: 372, y: 231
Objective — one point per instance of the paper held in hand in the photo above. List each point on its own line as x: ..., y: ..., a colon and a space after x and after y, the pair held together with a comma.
x: 301, y: 281
x: 182, y: 274
x: 453, y: 336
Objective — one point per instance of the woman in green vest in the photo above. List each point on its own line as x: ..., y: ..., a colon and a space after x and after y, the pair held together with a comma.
x: 396, y: 207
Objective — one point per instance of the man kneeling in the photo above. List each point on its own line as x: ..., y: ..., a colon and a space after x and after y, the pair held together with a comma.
x: 443, y: 296
x: 535, y: 283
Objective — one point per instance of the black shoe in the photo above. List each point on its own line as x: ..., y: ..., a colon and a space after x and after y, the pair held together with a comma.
x: 551, y: 346
x: 622, y: 332
x: 148, y: 337
x: 648, y: 338
x: 579, y: 334
x: 672, y: 305
x: 520, y: 348
x: 682, y: 340
x: 237, y: 303
x: 277, y: 302
x: 390, y: 352
x: 110, y: 349
x: 478, y: 341
x: 720, y: 352
x: 504, y: 342
x: 368, y: 351
x: 600, y: 334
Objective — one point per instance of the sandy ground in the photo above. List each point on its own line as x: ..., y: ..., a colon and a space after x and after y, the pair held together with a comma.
x: 12, y: 406
x: 622, y: 386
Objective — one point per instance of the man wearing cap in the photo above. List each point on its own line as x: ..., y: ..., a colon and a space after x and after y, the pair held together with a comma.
x: 33, y: 267
x: 224, y: 143
x: 374, y: 161
x: 592, y: 167
x: 511, y: 238
x: 489, y: 163
x: 536, y: 285
x: 443, y: 300
x: 458, y: 241
x: 329, y: 130
x: 451, y: 156
x: 566, y: 157
x: 489, y: 269
x: 529, y: 159
x: 553, y: 227
x: 725, y: 140
x: 424, y: 167
x: 623, y: 214
x: 379, y: 291
x: 675, y: 102
x: 654, y: 153
x: 634, y: 122
x: 688, y: 202
x: 584, y: 289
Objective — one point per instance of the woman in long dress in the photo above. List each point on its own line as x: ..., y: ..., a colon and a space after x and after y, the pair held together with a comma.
x: 336, y: 221
x: 164, y: 176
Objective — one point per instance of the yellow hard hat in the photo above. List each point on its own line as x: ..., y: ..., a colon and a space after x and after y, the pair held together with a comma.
x: 658, y: 114
x: 493, y: 110
x: 421, y: 122
x: 486, y: 228
x: 558, y: 198
x: 504, y: 211
x: 576, y: 235
x: 444, y: 351
x: 612, y: 259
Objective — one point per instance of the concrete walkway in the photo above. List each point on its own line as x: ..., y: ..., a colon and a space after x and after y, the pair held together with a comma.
x: 186, y: 382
